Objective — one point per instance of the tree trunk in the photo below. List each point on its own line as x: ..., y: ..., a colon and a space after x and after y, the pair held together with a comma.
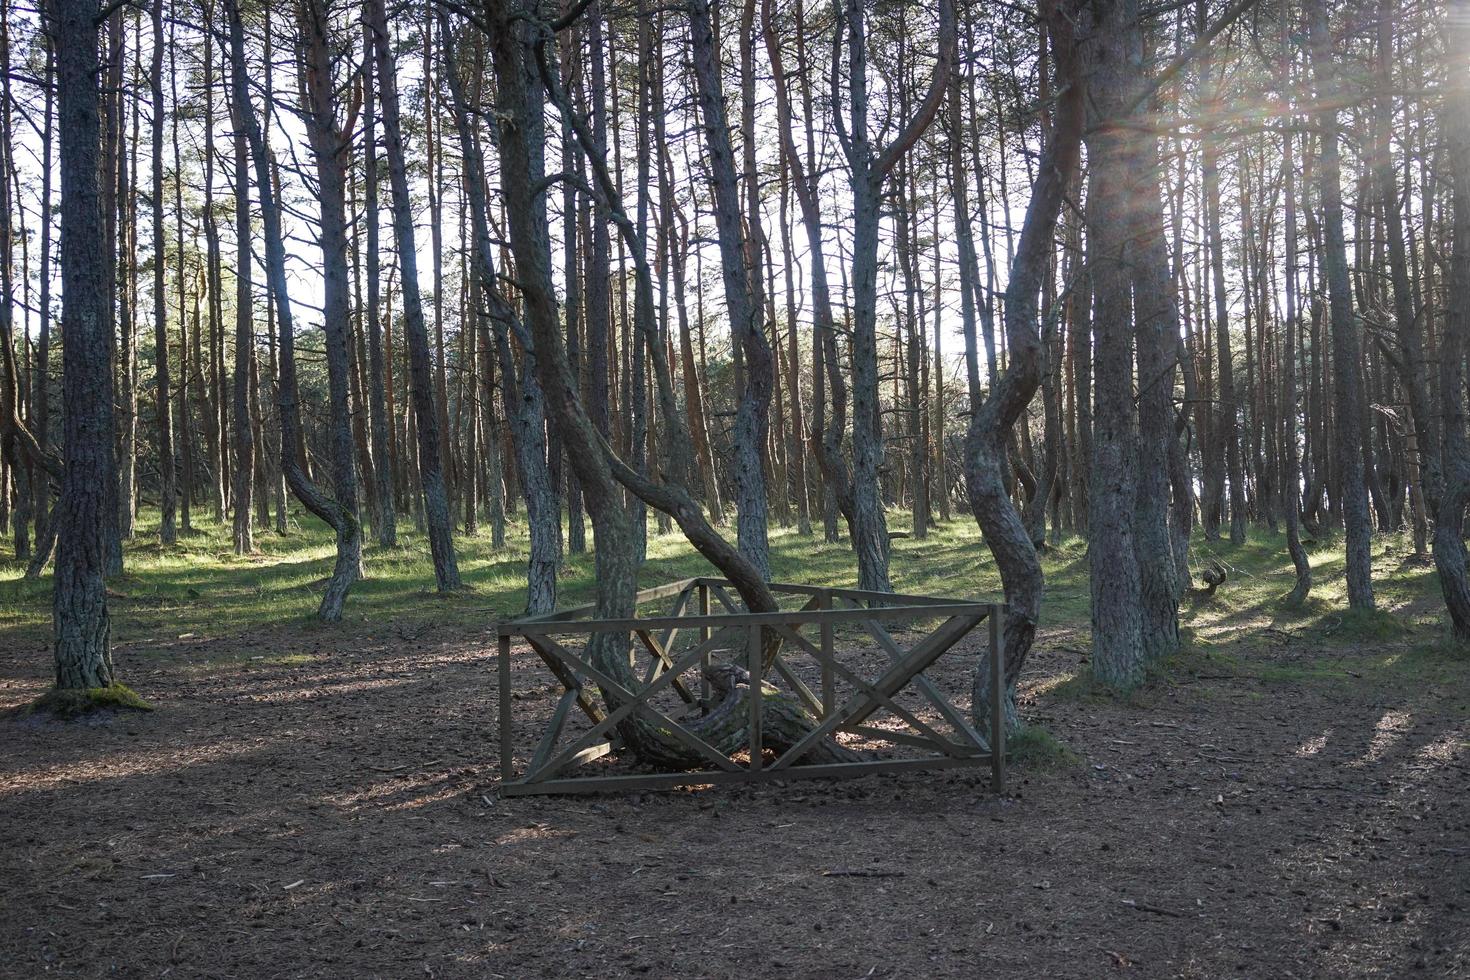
x: 162, y: 406
x: 1347, y: 351
x: 340, y: 514
x: 79, y: 599
x: 1291, y: 477
x: 379, y: 406
x: 992, y: 421
x: 245, y: 445
x: 119, y: 195
x: 431, y: 463
x: 869, y: 168
x: 1113, y: 63
x: 1450, y: 557
x: 753, y: 407
x: 331, y: 144
x: 523, y: 401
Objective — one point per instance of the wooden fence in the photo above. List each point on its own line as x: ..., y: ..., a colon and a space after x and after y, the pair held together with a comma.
x: 844, y: 702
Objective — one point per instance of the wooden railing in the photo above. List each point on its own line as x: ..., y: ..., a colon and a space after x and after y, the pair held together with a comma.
x: 733, y: 627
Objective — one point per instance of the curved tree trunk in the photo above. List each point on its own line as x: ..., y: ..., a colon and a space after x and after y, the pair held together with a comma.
x: 339, y: 516
x: 993, y: 420
x: 520, y: 96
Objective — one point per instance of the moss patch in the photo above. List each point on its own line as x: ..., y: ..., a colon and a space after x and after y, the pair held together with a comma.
x: 1368, y: 624
x: 1033, y: 747
x: 65, y: 704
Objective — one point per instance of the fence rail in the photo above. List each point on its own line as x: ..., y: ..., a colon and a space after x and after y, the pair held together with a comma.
x: 551, y: 765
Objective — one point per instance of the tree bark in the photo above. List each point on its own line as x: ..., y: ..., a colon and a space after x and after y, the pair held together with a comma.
x: 379, y: 405
x: 1347, y: 351
x: 245, y: 445
x: 753, y: 406
x: 993, y: 419
x: 1113, y: 65
x: 431, y: 460
x: 82, y: 630
x: 523, y: 401
x: 1450, y: 557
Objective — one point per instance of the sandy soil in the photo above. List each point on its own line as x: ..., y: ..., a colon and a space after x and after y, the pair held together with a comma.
x: 337, y: 816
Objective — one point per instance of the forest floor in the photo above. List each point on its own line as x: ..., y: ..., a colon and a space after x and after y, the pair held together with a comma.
x: 1287, y: 798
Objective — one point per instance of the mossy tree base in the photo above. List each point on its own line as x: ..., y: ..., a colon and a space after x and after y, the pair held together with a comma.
x: 65, y: 704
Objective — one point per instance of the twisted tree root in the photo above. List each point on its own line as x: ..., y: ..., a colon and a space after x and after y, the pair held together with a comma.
x: 785, y: 721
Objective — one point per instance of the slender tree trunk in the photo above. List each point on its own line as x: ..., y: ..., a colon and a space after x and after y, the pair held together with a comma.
x: 1450, y: 557
x: 869, y: 168
x: 341, y: 518
x: 245, y: 444
x: 1346, y: 345
x: 1291, y: 478
x: 119, y: 194
x: 186, y: 441
x: 378, y: 396
x: 571, y: 223
x: 163, y: 407
x: 1223, y: 452
x: 753, y: 407
x: 826, y: 428
x: 216, y: 419
x: 41, y: 392
x: 522, y: 397
x: 1156, y: 340
x: 431, y: 464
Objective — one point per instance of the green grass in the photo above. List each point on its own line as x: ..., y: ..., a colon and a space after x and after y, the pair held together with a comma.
x: 199, y: 586
x: 199, y: 589
x: 1398, y: 669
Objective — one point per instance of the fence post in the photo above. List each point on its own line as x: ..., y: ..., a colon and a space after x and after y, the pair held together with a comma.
x: 997, y: 699
x: 754, y: 666
x: 506, y: 760
x: 704, y: 637
x: 825, y: 603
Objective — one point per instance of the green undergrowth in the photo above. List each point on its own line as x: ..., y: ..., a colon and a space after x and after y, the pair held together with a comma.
x: 1408, y: 670
x: 1034, y: 747
x: 1197, y: 659
x: 65, y: 705
x: 1365, y: 625
x: 198, y: 591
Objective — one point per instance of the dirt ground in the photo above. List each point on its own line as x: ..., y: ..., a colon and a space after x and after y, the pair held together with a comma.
x: 333, y: 813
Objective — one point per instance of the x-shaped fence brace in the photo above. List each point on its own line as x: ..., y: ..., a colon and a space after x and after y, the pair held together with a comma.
x: 824, y: 607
